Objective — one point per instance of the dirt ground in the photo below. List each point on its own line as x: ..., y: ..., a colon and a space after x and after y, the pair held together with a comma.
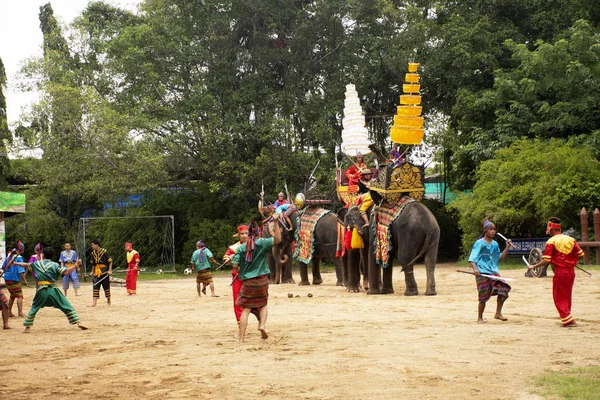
x: 165, y: 342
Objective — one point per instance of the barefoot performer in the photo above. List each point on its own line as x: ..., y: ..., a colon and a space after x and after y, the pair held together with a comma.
x: 133, y: 267
x: 236, y: 283
x: 47, y: 294
x: 67, y: 259
x: 201, y: 262
x: 13, y: 276
x: 4, y: 306
x: 102, y: 269
x: 563, y: 252
x: 484, y: 259
x: 251, y: 259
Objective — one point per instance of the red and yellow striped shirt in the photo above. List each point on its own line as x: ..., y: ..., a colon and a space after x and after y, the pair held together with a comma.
x: 562, y: 251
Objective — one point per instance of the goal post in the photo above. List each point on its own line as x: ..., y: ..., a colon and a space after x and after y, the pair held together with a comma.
x: 152, y: 236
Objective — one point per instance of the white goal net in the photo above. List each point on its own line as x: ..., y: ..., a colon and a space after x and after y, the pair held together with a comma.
x: 152, y: 236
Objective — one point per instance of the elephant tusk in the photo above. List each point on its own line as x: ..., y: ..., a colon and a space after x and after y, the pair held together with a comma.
x: 284, y: 259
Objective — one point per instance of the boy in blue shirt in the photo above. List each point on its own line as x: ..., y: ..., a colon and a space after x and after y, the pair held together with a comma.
x: 484, y: 259
x: 13, y: 276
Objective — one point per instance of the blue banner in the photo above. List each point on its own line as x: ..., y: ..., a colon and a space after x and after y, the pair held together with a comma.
x: 523, y: 246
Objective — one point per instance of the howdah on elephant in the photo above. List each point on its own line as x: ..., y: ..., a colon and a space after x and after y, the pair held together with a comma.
x: 415, y: 233
x: 325, y: 242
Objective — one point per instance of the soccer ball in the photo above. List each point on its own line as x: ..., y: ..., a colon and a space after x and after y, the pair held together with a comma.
x: 187, y: 271
x: 159, y: 271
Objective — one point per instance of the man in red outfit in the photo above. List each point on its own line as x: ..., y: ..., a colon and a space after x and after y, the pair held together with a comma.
x: 355, y: 172
x: 133, y: 267
x: 563, y: 252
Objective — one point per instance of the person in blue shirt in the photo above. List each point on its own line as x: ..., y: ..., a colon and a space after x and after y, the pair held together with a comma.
x: 13, y: 276
x: 484, y: 259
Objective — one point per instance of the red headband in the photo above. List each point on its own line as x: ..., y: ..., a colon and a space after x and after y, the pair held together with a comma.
x: 240, y: 229
x: 552, y: 225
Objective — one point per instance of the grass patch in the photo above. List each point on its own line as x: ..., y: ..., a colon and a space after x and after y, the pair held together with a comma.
x: 578, y: 383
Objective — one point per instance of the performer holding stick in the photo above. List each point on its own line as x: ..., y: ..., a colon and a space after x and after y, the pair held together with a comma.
x: 236, y: 283
x: 47, y: 294
x: 484, y: 259
x: 251, y: 257
x: 563, y: 252
x: 201, y: 262
x: 13, y: 276
x: 101, y: 263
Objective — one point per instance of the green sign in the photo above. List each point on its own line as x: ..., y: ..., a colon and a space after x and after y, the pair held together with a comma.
x: 12, y: 202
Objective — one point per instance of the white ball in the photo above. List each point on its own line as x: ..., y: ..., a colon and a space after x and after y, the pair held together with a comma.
x: 159, y: 271
x: 187, y: 271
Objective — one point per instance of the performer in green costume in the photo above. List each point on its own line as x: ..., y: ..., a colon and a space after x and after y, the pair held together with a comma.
x: 47, y: 294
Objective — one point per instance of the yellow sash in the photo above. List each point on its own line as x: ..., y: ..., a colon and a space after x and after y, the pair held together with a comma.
x: 98, y: 269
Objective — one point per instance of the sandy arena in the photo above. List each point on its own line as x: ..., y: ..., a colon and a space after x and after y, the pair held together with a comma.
x: 165, y: 342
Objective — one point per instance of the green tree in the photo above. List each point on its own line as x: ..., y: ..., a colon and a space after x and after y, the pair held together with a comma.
x: 528, y: 182
x: 5, y: 134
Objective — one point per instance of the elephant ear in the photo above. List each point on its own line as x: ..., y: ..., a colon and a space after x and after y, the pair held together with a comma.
x: 341, y: 215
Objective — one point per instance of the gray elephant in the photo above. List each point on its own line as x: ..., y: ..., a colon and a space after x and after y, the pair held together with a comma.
x: 280, y: 265
x: 356, y: 262
x: 415, y: 234
x: 325, y: 242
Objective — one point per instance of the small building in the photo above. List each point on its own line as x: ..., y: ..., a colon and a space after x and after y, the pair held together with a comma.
x: 10, y: 204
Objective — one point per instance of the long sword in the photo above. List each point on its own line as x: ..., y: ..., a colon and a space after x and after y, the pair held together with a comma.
x: 496, y: 278
x: 505, y: 239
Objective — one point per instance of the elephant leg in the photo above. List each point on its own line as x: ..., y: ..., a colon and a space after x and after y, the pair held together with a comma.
x: 430, y: 259
x: 316, y: 271
x: 303, y: 274
x: 364, y: 267
x: 345, y: 259
x: 375, y: 281
x: 287, y: 271
x: 411, y: 283
x: 272, y: 267
x: 388, y: 286
x: 353, y: 259
x: 339, y: 272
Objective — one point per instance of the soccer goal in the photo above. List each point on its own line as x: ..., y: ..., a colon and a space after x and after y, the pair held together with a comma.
x: 152, y: 236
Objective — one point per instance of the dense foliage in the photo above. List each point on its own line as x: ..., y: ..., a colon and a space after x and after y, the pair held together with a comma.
x: 527, y: 183
x: 195, y: 104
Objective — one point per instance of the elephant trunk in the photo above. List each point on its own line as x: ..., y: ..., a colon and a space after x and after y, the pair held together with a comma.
x: 284, y: 259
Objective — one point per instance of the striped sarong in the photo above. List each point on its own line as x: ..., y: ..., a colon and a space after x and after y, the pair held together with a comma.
x: 204, y: 276
x: 3, y: 298
x: 487, y: 288
x: 254, y: 293
x: 15, y: 290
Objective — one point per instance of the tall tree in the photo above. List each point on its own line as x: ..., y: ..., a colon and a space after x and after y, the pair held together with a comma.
x: 5, y: 134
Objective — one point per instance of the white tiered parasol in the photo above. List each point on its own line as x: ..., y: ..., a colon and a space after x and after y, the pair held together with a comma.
x: 355, y: 137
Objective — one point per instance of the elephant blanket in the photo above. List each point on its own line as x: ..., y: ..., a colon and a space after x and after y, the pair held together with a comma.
x: 381, y: 219
x: 305, y: 234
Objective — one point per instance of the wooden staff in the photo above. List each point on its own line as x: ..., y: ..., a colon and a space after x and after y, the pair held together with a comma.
x: 496, y: 278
